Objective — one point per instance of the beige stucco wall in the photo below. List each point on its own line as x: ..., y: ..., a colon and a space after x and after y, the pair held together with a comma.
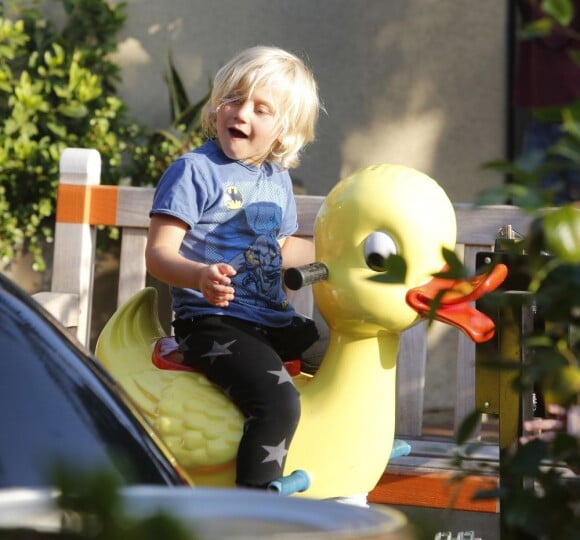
x: 417, y: 82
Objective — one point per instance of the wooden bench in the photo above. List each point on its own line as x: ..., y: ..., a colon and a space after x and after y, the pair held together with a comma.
x: 418, y: 479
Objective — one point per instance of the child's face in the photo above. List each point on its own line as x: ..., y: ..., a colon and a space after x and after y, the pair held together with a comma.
x: 247, y: 127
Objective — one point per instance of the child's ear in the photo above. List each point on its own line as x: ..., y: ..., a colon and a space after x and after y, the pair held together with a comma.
x: 277, y: 144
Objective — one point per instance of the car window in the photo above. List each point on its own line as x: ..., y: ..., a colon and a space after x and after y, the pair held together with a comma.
x: 55, y: 406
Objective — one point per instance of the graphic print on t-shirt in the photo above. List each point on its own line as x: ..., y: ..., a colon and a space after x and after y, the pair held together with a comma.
x: 257, y: 257
x: 233, y: 198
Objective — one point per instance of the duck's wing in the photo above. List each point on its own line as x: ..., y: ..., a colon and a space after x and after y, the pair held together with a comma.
x: 195, y: 419
x: 199, y: 423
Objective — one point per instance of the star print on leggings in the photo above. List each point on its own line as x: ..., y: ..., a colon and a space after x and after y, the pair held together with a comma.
x: 219, y: 349
x: 283, y: 376
x: 275, y: 453
x: 183, y: 344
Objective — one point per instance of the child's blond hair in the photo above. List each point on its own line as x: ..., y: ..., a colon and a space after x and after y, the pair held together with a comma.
x: 295, y: 92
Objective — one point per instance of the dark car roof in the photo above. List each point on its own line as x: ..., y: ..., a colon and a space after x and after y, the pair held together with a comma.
x: 58, y: 405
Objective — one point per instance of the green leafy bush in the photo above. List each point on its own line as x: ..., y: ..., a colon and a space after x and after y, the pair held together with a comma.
x: 57, y: 89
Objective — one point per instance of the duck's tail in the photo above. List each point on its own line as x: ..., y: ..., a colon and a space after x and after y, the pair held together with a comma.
x: 127, y: 340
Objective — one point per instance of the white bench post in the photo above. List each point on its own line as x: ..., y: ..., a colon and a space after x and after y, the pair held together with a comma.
x: 75, y: 237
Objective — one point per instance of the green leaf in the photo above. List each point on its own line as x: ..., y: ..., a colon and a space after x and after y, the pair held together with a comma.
x: 73, y: 109
x: 529, y: 198
x: 529, y: 457
x: 191, y: 115
x: 179, y: 100
x: 501, y: 165
x: 561, y: 10
x: 455, y: 268
x: 536, y: 29
x: 562, y: 233
x: 526, y: 197
x: 467, y: 427
x: 492, y: 196
x: 571, y: 122
x: 568, y: 149
x: 567, y: 447
x: 395, y: 270
x: 485, y: 494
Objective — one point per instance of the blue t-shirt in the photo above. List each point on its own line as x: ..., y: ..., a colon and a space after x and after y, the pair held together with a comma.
x: 235, y: 214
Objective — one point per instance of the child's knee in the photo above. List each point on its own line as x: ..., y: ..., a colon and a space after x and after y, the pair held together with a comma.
x: 288, y: 410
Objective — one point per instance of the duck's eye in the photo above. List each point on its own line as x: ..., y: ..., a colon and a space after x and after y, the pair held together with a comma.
x: 378, y: 246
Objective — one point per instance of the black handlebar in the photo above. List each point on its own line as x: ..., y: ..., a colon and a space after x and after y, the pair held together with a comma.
x: 302, y: 276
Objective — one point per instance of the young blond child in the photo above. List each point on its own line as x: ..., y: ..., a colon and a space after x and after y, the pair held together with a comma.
x: 221, y: 230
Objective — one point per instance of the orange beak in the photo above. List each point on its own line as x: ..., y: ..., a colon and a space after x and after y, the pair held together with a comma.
x: 452, y: 301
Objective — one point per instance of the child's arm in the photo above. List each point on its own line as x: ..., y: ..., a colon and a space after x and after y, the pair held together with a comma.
x: 166, y: 263
x: 296, y: 251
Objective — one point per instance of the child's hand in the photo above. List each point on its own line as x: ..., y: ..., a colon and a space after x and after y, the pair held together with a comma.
x: 214, y: 284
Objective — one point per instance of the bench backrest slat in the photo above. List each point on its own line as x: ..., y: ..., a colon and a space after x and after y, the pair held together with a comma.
x: 132, y: 262
x: 411, y: 366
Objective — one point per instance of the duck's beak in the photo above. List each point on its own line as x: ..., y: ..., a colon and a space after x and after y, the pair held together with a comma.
x: 449, y: 301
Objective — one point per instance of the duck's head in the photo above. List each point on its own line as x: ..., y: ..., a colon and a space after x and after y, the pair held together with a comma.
x: 374, y: 212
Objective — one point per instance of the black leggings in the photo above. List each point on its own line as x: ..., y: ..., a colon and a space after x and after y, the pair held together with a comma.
x: 239, y: 357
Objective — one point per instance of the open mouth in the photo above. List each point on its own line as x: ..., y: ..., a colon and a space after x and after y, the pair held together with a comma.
x: 237, y: 133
